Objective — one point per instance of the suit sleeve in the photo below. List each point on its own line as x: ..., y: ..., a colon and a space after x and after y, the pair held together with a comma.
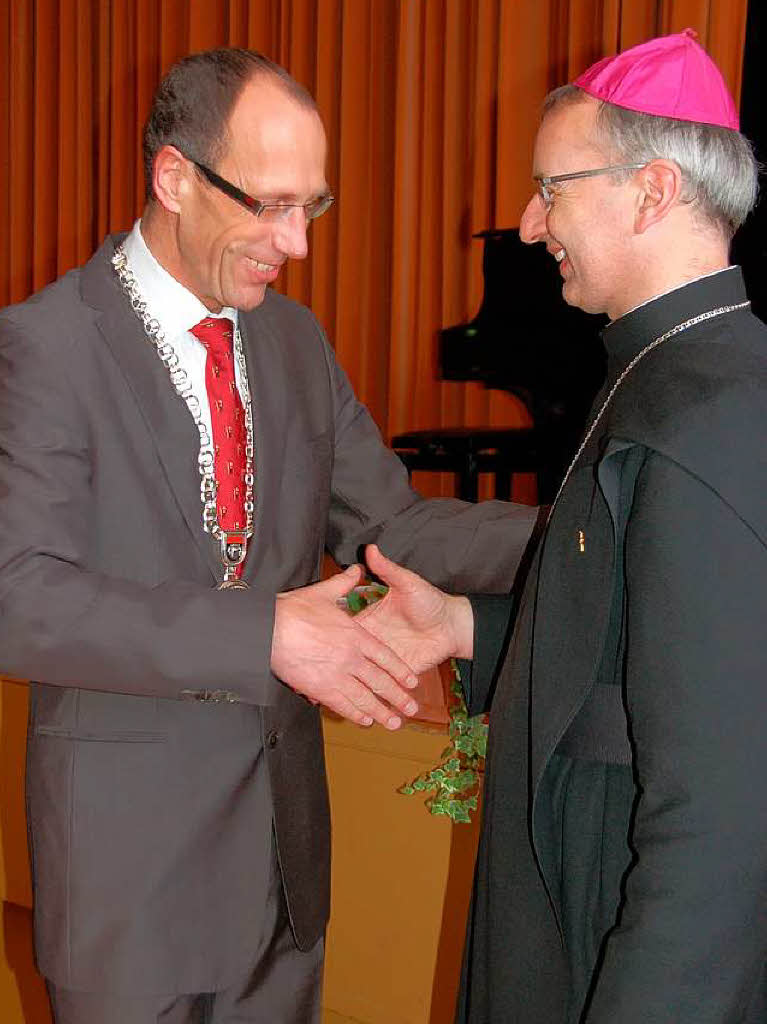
x: 692, y: 936
x: 61, y: 623
x: 458, y: 546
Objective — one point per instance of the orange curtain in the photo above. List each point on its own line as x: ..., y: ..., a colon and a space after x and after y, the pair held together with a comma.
x: 431, y: 108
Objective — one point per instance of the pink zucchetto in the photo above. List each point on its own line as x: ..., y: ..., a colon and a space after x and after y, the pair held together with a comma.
x: 671, y: 76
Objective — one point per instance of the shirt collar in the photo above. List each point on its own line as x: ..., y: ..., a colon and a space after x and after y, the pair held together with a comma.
x: 626, y: 337
x: 173, y: 305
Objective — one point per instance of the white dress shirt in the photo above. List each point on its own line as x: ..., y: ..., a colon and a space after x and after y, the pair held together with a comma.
x: 176, y: 310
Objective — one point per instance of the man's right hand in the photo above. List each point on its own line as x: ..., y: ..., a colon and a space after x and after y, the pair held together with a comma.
x: 319, y: 651
x: 421, y: 623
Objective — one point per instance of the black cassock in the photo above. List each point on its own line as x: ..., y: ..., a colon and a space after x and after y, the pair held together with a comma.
x: 622, y: 870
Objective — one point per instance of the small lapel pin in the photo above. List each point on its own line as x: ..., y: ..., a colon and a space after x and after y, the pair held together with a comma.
x: 581, y: 541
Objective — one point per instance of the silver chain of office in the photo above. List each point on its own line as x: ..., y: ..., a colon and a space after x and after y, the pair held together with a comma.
x: 637, y: 358
x: 183, y: 388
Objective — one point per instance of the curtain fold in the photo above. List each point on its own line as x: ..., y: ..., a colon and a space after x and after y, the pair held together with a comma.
x: 431, y: 110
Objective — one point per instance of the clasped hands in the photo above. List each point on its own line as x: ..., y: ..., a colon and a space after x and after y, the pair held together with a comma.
x: 364, y: 668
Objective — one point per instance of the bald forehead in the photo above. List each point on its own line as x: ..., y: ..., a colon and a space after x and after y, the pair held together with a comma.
x: 264, y: 98
x: 267, y: 91
x: 567, y: 133
x: 574, y: 116
x: 274, y: 146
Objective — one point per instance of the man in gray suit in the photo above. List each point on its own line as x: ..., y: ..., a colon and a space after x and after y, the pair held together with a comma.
x: 176, y: 788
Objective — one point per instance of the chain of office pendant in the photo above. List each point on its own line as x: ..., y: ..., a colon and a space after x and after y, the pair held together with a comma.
x: 637, y: 358
x: 183, y: 388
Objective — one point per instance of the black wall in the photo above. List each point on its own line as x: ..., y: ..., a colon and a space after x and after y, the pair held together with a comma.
x: 750, y: 245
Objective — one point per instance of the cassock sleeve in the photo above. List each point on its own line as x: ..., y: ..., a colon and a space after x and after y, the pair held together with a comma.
x: 692, y: 935
x: 493, y: 617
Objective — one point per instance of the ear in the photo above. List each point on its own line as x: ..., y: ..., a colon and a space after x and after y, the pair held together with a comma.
x: 660, y: 191
x: 170, y: 178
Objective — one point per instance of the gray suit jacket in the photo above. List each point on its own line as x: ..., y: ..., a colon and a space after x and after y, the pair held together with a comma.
x: 151, y: 816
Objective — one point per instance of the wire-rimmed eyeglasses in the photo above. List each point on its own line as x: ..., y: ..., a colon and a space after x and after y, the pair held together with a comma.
x: 265, y: 211
x: 543, y: 183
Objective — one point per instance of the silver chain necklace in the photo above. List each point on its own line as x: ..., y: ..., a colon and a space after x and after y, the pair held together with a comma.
x: 639, y: 356
x: 232, y: 544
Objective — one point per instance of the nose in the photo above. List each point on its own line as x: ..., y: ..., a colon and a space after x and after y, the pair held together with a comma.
x: 532, y: 226
x: 289, y: 234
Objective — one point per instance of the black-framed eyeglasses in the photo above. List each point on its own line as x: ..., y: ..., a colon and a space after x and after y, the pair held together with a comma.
x: 269, y: 212
x: 543, y: 183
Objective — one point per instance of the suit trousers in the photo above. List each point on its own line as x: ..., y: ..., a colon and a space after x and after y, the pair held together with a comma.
x: 282, y: 986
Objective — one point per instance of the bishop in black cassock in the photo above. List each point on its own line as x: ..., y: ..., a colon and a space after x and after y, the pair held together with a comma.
x: 622, y: 869
x: 625, y: 814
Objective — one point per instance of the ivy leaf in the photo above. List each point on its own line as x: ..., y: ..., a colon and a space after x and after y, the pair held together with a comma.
x: 455, y: 780
x: 465, y: 744
x: 354, y: 602
x: 460, y: 814
x: 439, y: 807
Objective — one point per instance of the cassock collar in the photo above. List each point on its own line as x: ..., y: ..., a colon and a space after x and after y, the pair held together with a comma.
x: 626, y: 337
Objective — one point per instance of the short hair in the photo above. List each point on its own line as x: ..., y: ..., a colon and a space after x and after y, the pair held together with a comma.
x: 193, y: 103
x: 719, y: 170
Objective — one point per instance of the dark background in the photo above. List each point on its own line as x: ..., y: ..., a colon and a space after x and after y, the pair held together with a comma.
x: 750, y: 244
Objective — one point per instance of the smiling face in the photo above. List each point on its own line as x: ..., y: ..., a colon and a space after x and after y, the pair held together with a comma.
x: 588, y: 227
x: 275, y: 151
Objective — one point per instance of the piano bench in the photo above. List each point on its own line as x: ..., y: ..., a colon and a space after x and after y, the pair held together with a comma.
x: 469, y: 451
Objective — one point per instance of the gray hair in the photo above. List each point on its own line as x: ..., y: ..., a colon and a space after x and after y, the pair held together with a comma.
x: 719, y: 169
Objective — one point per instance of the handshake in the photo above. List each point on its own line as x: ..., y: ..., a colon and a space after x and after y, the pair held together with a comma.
x: 364, y: 668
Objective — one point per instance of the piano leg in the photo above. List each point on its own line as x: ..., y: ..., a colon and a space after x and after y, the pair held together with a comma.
x: 503, y: 484
x: 468, y: 478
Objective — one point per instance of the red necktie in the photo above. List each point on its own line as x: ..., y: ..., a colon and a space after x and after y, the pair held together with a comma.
x: 227, y: 421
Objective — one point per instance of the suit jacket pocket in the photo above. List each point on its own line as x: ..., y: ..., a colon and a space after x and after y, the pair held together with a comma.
x: 96, y: 715
x: 108, y: 736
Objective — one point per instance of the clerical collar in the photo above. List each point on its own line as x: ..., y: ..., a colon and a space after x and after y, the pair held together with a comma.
x: 625, y: 337
x: 177, y: 308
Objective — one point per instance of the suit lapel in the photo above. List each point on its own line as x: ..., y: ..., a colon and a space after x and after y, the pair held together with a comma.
x: 572, y: 611
x: 575, y: 591
x: 269, y: 398
x: 168, y: 421
x: 609, y: 472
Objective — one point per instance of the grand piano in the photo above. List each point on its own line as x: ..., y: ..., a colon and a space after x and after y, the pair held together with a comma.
x: 526, y: 340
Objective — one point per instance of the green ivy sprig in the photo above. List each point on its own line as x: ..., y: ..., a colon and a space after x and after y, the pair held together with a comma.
x: 454, y: 782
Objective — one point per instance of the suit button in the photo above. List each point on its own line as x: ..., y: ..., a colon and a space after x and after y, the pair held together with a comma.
x: 271, y: 740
